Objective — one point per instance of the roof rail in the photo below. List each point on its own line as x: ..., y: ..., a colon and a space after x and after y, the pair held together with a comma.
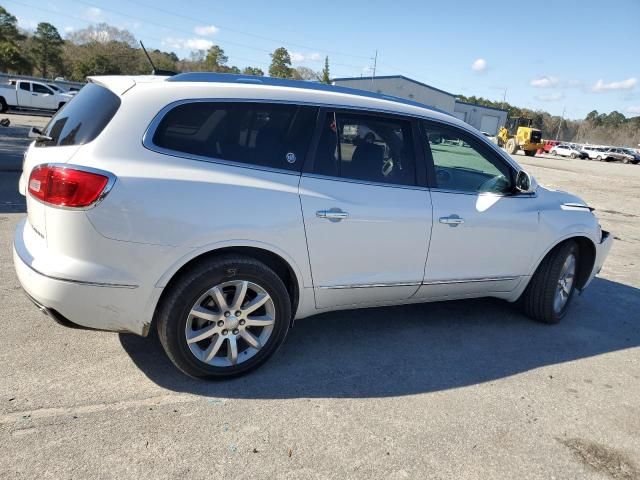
x: 285, y: 82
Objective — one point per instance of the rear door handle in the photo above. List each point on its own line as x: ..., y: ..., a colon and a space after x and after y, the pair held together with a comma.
x: 452, y: 220
x: 334, y: 215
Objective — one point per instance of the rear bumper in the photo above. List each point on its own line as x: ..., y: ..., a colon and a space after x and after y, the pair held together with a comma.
x: 80, y: 304
x: 602, y: 250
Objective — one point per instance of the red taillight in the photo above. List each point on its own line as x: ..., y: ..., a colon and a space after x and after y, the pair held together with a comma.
x: 66, y: 187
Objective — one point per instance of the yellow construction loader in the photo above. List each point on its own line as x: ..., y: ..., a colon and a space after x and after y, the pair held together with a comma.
x: 518, y: 134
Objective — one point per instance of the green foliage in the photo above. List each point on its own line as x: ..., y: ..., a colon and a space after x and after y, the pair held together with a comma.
x: 46, y: 49
x: 325, y: 77
x: 12, y: 58
x: 253, y: 71
x: 281, y: 64
x: 216, y: 60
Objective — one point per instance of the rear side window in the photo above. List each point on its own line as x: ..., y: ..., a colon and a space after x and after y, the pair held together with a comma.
x: 266, y: 135
x: 83, y: 118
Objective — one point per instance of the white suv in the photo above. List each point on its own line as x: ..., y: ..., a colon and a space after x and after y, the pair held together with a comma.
x: 219, y: 208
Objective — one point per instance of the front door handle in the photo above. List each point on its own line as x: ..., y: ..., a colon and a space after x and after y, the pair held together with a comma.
x: 452, y: 220
x: 334, y: 215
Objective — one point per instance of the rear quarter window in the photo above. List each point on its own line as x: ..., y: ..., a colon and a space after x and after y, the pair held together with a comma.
x: 83, y: 118
x: 260, y: 134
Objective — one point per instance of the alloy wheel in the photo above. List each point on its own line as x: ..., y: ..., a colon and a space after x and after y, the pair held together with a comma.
x: 565, y: 283
x: 230, y: 323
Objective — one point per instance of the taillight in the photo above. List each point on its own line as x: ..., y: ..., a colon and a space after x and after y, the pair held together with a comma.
x: 66, y: 187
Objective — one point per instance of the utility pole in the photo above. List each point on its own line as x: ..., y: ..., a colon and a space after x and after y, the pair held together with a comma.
x: 375, y: 64
x: 560, y: 125
x: 504, y: 97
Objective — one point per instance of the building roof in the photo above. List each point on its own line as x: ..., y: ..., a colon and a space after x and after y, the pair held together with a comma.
x: 284, y: 82
x: 482, y: 106
x: 387, y: 77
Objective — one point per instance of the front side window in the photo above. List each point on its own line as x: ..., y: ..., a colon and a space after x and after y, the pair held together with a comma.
x: 25, y: 86
x: 268, y: 135
x: 41, y: 88
x: 366, y: 147
x: 463, y: 164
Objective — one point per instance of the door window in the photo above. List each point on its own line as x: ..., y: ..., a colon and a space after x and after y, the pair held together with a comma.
x: 269, y: 135
x: 463, y: 164
x: 41, y: 89
x: 366, y: 147
x: 25, y: 86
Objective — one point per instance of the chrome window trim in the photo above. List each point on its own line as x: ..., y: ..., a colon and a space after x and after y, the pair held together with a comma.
x: 363, y: 182
x: 485, y: 194
x: 111, y: 181
x: 147, y: 137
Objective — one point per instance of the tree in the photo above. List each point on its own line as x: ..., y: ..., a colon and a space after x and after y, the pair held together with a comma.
x: 280, y: 64
x: 216, y: 60
x: 325, y: 78
x: 102, y: 33
x: 305, y: 73
x: 253, y: 71
x: 12, y: 58
x: 47, y: 48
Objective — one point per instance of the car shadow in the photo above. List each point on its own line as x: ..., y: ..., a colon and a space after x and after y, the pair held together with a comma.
x: 391, y: 351
x: 10, y: 199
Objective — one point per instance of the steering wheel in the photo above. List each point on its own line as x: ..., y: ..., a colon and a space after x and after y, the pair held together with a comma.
x: 495, y: 184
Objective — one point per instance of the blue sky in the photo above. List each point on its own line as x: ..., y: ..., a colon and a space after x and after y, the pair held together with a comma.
x: 554, y: 55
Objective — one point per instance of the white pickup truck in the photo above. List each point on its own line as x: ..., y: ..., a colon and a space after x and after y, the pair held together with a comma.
x: 30, y: 95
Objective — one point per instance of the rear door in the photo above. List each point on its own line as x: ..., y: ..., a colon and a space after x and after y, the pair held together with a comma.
x: 23, y: 94
x: 367, y: 211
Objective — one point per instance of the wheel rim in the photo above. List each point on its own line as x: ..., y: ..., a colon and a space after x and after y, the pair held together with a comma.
x: 565, y: 283
x: 230, y: 323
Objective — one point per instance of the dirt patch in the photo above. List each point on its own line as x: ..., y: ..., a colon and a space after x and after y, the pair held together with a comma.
x: 602, y: 459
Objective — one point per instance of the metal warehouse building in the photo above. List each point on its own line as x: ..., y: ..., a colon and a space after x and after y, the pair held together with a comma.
x: 486, y: 119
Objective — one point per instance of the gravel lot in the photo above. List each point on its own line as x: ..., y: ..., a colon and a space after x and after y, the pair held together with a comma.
x: 468, y: 389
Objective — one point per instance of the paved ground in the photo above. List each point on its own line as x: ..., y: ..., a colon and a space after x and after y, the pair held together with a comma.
x: 451, y: 390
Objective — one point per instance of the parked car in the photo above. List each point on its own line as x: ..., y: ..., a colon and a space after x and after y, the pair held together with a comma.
x: 217, y: 209
x: 634, y: 153
x: 549, y: 144
x: 29, y: 95
x: 616, y: 155
x: 565, y: 150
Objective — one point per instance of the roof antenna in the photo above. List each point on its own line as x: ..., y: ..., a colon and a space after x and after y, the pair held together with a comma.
x: 154, y: 70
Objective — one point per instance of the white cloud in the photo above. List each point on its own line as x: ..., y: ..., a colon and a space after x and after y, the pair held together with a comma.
x: 68, y: 29
x: 206, y: 30
x: 553, y: 97
x: 297, y: 57
x: 634, y: 109
x: 544, y: 82
x: 479, y: 65
x: 94, y: 14
x: 188, y: 43
x: 627, y: 84
x: 27, y: 24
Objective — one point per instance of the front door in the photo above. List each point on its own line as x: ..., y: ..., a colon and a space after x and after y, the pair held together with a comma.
x: 483, y: 234
x: 43, y: 97
x: 367, y: 221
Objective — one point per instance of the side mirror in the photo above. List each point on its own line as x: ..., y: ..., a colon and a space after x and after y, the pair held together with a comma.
x: 34, y: 132
x: 525, y: 183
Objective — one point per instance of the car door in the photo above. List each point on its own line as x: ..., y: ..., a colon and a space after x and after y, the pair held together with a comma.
x: 483, y: 233
x: 42, y: 97
x: 23, y: 94
x: 366, y: 208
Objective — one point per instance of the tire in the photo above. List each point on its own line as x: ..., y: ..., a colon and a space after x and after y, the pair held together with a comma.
x: 599, y: 158
x: 175, y: 320
x: 540, y: 297
x: 573, y: 155
x: 3, y: 105
x: 512, y: 146
x: 530, y: 153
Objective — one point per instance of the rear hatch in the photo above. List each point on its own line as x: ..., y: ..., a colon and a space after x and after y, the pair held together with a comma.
x: 79, y: 122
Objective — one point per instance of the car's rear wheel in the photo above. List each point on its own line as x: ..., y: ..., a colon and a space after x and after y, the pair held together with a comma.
x: 549, y: 293
x: 3, y: 105
x: 573, y: 155
x: 224, y: 317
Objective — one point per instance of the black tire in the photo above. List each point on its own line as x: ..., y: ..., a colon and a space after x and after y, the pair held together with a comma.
x: 599, y: 158
x: 172, y: 313
x: 3, y: 105
x: 511, y: 146
x: 538, y: 298
x: 530, y: 153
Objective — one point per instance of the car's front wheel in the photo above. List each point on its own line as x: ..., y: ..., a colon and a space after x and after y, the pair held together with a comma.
x: 550, y: 290
x: 224, y: 318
